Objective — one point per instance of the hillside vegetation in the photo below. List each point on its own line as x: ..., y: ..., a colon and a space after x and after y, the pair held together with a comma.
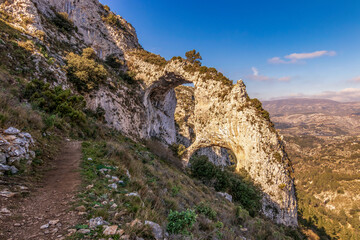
x: 322, y: 143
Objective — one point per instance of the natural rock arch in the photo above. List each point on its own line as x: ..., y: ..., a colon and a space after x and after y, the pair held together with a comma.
x: 224, y: 116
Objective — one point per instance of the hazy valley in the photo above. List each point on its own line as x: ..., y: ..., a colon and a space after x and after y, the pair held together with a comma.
x: 322, y: 139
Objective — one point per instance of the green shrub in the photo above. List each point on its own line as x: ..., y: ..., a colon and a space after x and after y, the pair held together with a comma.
x: 242, y: 189
x: 3, y: 119
x: 55, y: 101
x: 258, y: 105
x: 202, y: 208
x: 63, y: 22
x: 193, y: 57
x: 246, y: 195
x: 150, y: 57
x: 114, y: 62
x: 241, y: 215
x: 222, y: 181
x: 113, y: 20
x: 175, y: 190
x: 127, y: 77
x: 84, y: 71
x: 178, y: 149
x: 202, y: 168
x: 209, y: 73
x: 107, y: 8
x: 181, y: 222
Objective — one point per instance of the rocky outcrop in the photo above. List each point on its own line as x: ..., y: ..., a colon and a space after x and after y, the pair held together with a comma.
x: 36, y: 18
x: 14, y: 147
x: 225, y: 117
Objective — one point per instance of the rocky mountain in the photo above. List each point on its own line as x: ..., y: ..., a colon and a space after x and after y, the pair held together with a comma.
x: 77, y: 60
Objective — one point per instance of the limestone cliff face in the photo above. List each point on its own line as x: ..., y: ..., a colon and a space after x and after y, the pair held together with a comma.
x: 185, y: 134
x: 87, y: 16
x: 224, y: 117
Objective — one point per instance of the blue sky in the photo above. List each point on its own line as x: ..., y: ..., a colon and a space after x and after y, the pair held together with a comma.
x: 280, y: 48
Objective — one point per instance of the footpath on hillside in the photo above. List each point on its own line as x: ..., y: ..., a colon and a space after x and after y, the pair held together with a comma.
x: 45, y: 213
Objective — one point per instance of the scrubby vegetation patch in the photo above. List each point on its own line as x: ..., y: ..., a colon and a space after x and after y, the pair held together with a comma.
x: 240, y: 187
x: 85, y: 71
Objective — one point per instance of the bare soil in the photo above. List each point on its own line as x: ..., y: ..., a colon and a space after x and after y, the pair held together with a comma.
x: 51, y: 201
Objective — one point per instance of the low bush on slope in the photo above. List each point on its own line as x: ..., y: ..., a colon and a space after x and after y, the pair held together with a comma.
x: 56, y: 101
x: 84, y: 71
x: 243, y: 191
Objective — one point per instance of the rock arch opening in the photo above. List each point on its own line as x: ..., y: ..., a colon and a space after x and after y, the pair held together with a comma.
x: 221, y: 157
x: 160, y: 99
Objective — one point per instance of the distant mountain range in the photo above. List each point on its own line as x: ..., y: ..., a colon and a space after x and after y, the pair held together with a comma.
x: 309, y: 106
x: 315, y: 116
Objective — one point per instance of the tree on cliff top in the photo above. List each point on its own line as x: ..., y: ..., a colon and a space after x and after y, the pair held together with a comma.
x: 193, y: 57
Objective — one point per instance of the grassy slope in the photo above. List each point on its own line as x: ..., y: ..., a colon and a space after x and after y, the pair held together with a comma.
x: 162, y: 187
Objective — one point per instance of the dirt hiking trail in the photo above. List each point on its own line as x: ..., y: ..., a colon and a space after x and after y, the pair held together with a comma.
x: 45, y: 213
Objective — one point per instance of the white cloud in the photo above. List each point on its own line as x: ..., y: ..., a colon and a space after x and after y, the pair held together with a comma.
x: 276, y: 60
x: 355, y: 79
x: 344, y: 95
x: 261, y: 78
x: 255, y: 71
x: 295, y: 57
x: 284, y: 79
x: 315, y: 54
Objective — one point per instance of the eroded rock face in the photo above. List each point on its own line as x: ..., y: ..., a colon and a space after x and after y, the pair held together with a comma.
x: 87, y: 17
x: 14, y: 147
x: 185, y: 134
x: 224, y: 117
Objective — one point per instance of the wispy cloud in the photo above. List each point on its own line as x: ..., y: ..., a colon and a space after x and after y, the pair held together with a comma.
x: 261, y: 78
x: 277, y: 60
x: 284, y: 79
x: 295, y: 57
x: 255, y: 71
x: 344, y: 95
x: 355, y: 79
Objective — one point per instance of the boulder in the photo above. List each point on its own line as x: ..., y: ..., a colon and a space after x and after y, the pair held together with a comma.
x: 98, y: 221
x: 133, y: 194
x: 226, y: 196
x: 12, y: 131
x: 111, y: 230
x: 156, y: 230
x: 81, y: 208
x: 84, y: 231
x: 113, y: 186
x: 44, y: 226
x: 14, y: 170
x: 4, y: 168
x: 2, y: 158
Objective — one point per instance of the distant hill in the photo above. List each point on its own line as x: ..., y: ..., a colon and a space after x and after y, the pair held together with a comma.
x: 315, y: 116
x: 309, y: 106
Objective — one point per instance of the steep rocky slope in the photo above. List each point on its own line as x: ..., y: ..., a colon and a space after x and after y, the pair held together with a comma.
x: 135, y: 93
